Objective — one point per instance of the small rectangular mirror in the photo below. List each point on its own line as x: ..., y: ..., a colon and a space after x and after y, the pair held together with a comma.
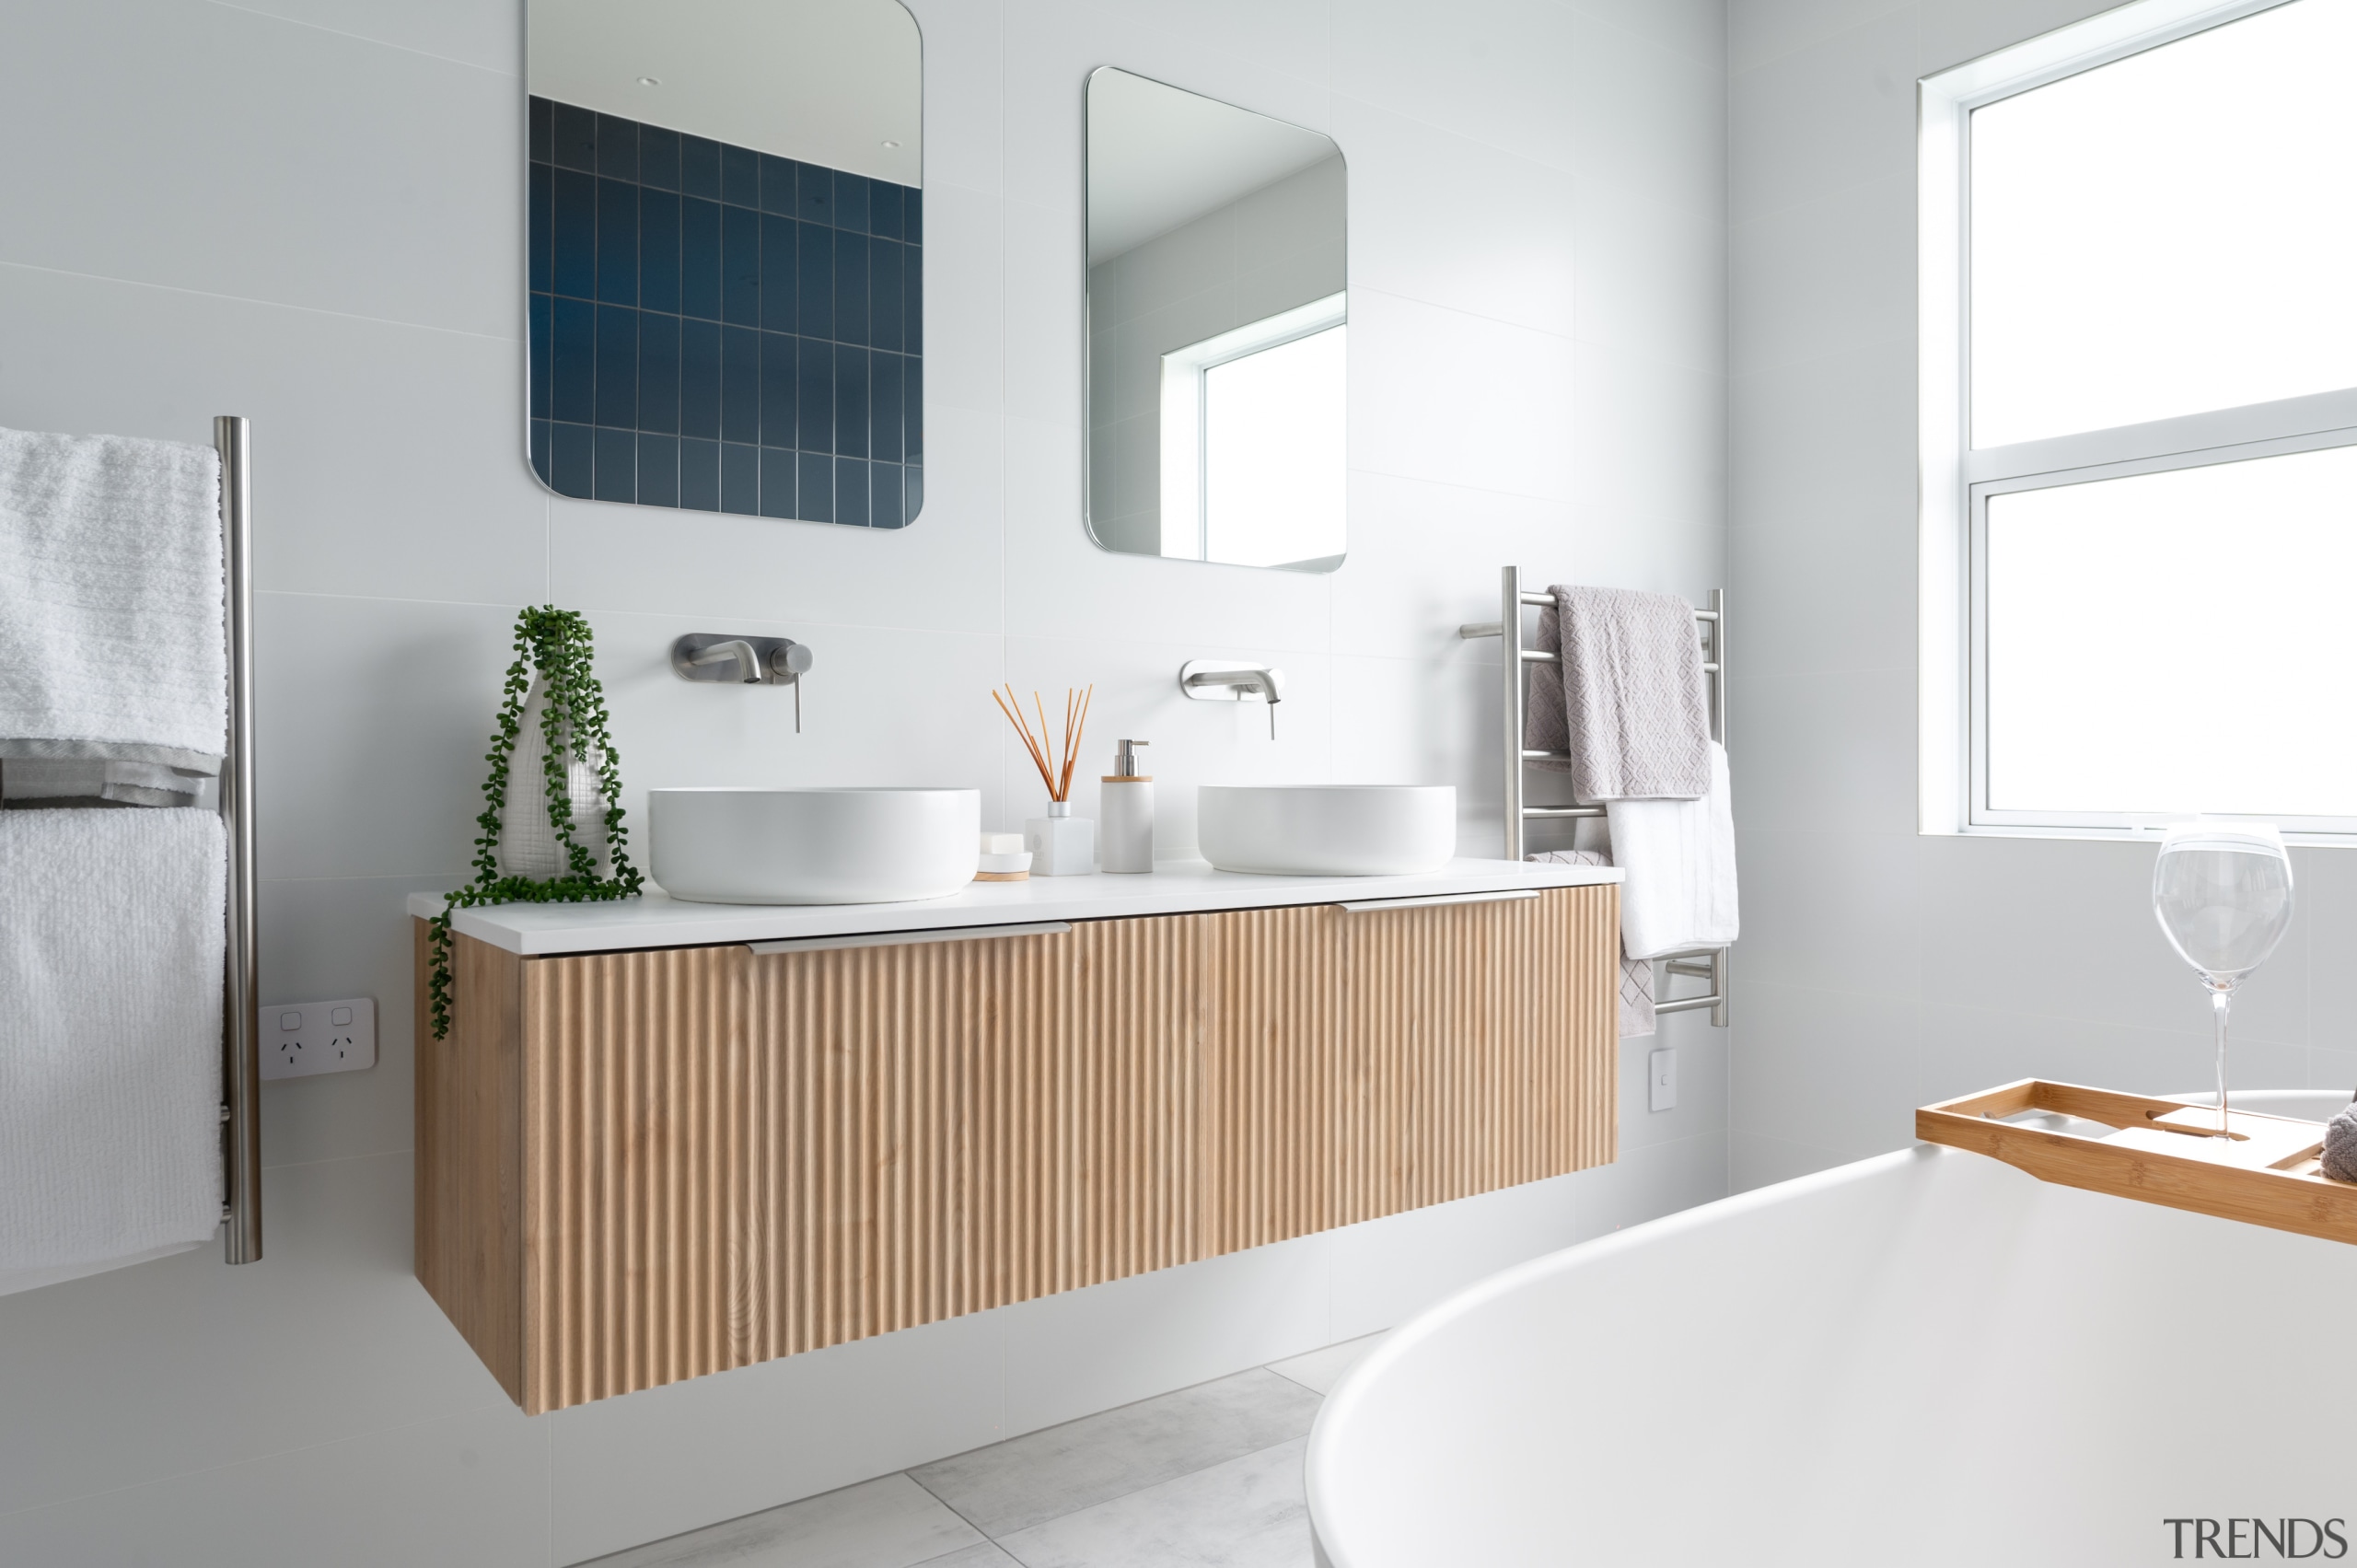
x: 1217, y: 331
x: 726, y: 256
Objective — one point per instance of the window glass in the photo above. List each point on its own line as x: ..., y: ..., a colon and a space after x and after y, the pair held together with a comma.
x: 2168, y: 234
x: 2169, y: 642
x: 1274, y: 459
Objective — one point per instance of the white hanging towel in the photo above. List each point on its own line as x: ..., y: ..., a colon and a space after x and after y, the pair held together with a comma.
x: 1679, y: 855
x: 110, y: 955
x: 110, y: 598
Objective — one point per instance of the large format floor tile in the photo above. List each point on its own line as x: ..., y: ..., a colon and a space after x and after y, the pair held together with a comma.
x: 1247, y: 1513
x: 887, y: 1523
x: 1320, y: 1370
x: 1027, y: 1480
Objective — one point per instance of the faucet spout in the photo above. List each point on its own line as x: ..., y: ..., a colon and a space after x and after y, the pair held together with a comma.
x: 737, y: 650
x: 1207, y: 681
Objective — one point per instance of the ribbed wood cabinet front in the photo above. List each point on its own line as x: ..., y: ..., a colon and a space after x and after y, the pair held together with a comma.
x: 641, y: 1167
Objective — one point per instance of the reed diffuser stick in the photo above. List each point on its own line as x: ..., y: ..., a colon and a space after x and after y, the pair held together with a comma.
x: 1077, y: 704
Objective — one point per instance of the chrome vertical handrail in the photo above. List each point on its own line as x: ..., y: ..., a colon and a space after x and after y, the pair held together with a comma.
x: 1510, y: 695
x: 241, y: 1000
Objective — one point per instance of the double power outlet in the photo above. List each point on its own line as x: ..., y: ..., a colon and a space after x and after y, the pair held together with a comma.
x: 303, y: 1039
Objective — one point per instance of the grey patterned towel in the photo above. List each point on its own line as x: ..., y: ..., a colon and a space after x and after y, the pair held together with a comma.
x: 1636, y: 1011
x: 2340, y: 1160
x: 1627, y: 701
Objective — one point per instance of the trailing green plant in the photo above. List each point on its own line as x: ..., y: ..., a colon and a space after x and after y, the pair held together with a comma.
x: 554, y: 643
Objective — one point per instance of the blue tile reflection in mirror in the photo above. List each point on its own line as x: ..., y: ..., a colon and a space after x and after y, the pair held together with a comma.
x: 725, y: 259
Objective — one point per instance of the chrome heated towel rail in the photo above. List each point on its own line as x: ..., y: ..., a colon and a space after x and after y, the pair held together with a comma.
x: 240, y: 1000
x: 1704, y: 963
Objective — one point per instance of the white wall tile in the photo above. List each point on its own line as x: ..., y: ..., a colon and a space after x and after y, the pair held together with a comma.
x: 1754, y: 1161
x: 1652, y: 276
x: 1697, y: 28
x: 388, y: 458
x: 1412, y: 187
x: 329, y: 938
x: 1387, y: 1271
x: 1829, y: 274
x: 1458, y: 399
x: 1837, y: 1065
x: 354, y: 163
x: 1827, y: 751
x: 488, y: 37
x: 1821, y: 120
x: 373, y: 718
x: 965, y: 106
x: 1645, y: 117
x: 1837, y: 909
x: 1762, y: 30
x: 1628, y: 467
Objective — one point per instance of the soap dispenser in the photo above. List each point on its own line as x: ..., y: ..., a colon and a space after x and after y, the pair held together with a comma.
x: 1126, y: 810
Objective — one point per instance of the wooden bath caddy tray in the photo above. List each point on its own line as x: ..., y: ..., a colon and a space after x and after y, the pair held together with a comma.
x: 2163, y: 1152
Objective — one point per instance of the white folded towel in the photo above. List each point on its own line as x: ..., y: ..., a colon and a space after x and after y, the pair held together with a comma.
x: 1679, y: 856
x: 110, y: 954
x: 110, y: 601
x: 1627, y: 699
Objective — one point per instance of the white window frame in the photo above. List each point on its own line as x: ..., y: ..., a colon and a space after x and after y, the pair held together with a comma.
x: 1957, y: 480
x: 1185, y: 486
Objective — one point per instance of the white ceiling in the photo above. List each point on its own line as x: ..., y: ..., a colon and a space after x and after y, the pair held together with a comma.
x: 825, y: 81
x: 1158, y: 157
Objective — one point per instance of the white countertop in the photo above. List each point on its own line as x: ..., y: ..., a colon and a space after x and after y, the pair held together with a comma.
x: 1175, y: 886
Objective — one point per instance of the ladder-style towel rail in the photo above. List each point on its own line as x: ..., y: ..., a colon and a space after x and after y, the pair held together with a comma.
x: 1706, y: 963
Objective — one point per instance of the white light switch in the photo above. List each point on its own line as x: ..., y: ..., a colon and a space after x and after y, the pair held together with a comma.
x: 318, y: 1036
x: 1661, y: 1080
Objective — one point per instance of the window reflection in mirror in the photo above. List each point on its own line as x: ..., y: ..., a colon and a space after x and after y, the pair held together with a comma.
x: 1217, y: 331
x: 726, y: 244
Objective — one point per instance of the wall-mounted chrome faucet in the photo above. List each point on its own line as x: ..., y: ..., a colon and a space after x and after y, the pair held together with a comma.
x: 747, y: 661
x: 1226, y: 680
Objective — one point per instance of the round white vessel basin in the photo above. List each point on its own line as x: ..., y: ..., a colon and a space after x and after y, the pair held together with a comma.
x: 814, y: 846
x: 1926, y: 1358
x: 1327, y: 829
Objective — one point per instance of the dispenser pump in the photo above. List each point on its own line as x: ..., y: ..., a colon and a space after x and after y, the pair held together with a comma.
x: 1125, y: 763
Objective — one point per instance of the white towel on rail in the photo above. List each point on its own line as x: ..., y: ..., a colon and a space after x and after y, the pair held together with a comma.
x: 110, y: 601
x: 110, y: 955
x: 1636, y: 1009
x: 1679, y: 856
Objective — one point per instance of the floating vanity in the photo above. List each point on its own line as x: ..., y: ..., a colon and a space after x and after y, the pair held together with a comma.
x: 664, y: 1139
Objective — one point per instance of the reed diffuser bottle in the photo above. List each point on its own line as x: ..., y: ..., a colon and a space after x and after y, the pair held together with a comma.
x: 1061, y: 843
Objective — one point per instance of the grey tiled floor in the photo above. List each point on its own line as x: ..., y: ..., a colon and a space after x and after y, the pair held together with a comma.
x: 1209, y: 1477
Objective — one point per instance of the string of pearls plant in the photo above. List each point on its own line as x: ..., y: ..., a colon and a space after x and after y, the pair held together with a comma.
x: 554, y: 643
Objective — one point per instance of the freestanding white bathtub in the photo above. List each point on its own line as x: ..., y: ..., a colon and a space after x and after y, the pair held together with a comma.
x: 1923, y: 1358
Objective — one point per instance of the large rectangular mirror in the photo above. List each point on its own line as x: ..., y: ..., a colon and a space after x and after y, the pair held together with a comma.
x: 1217, y: 331
x: 726, y: 256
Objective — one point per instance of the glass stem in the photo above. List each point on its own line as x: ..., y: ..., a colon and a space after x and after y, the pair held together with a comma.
x: 2219, y: 999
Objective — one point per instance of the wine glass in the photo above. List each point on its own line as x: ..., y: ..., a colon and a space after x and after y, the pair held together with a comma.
x: 2222, y: 894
